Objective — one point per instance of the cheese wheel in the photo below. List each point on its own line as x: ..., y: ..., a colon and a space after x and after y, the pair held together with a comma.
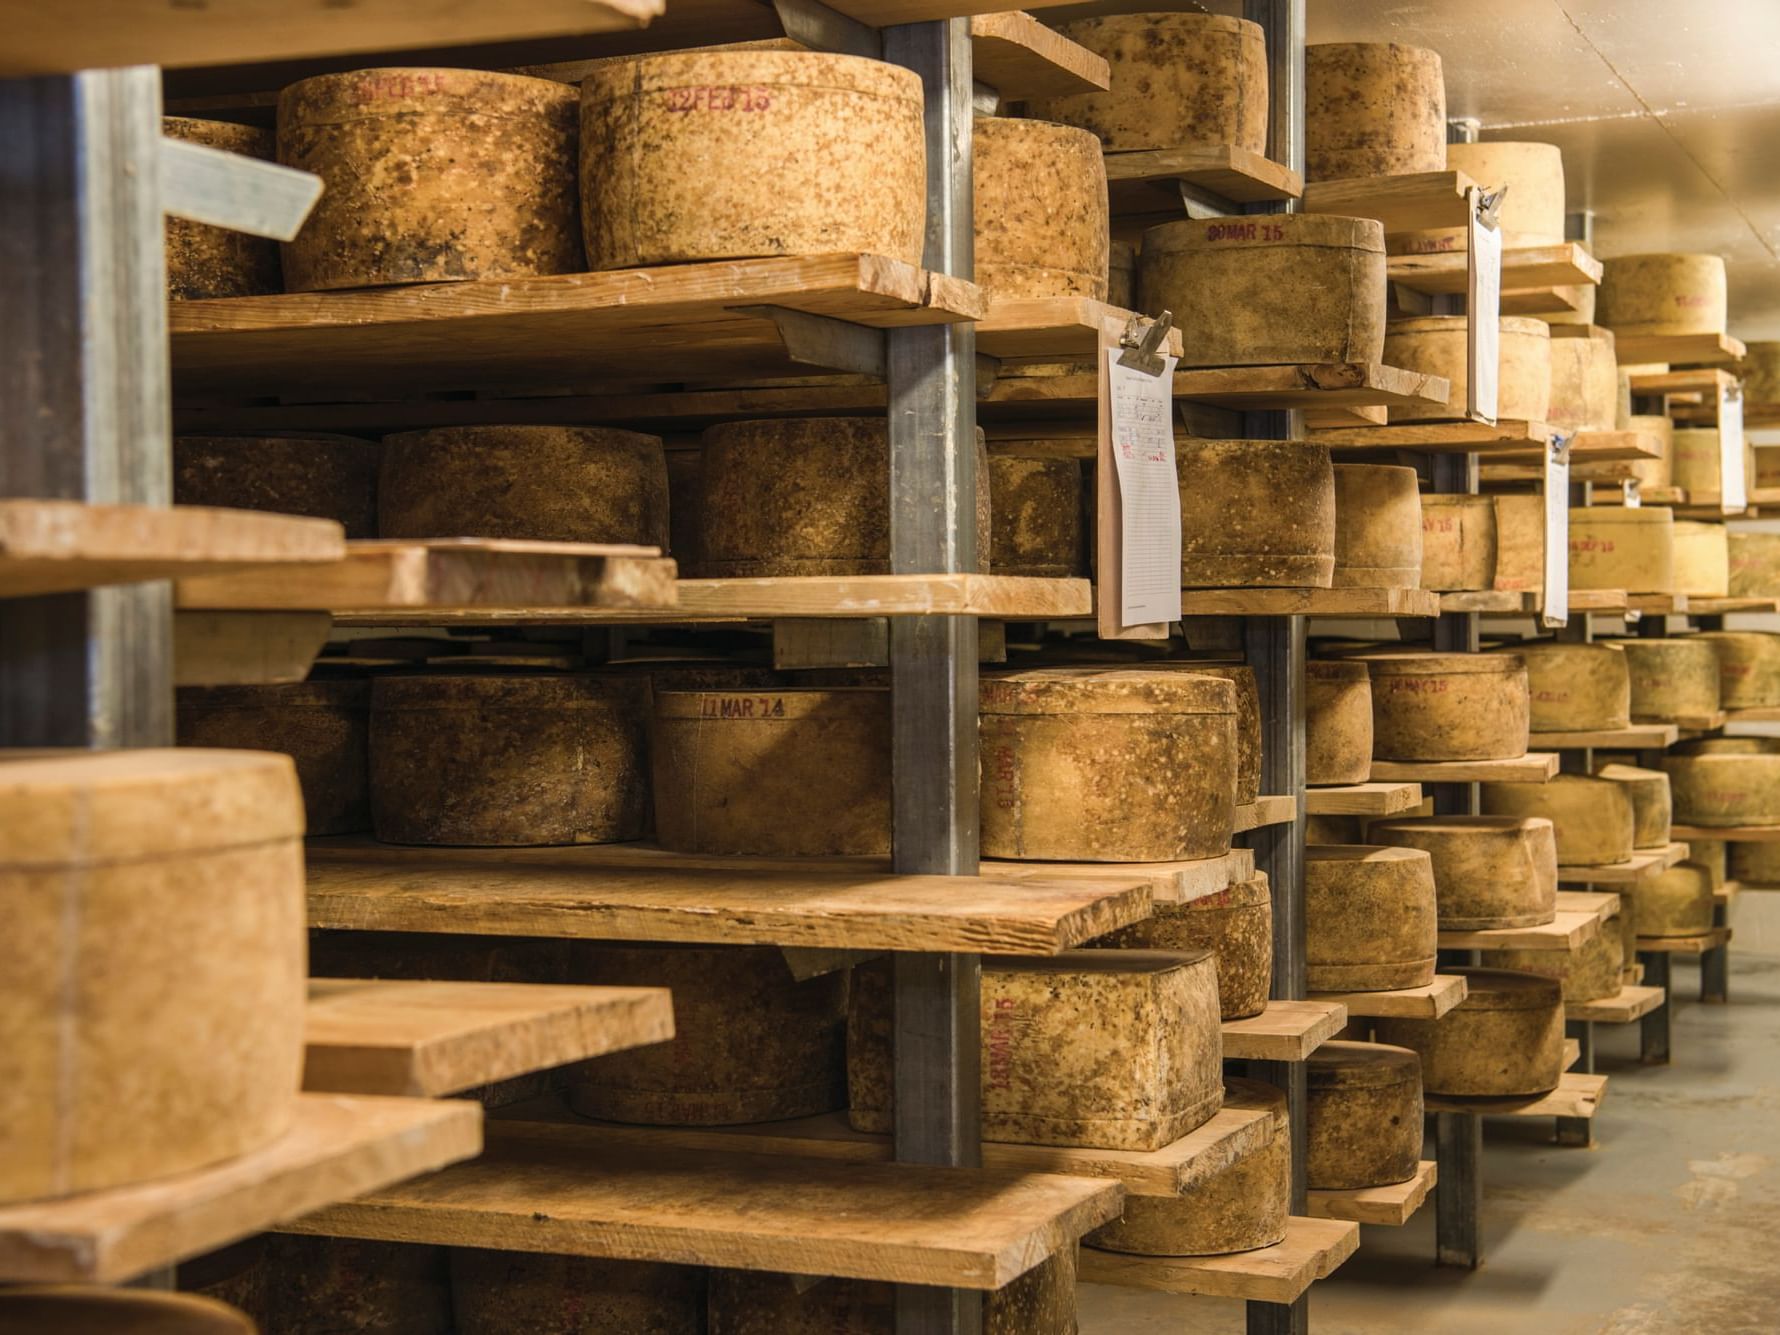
x: 1677, y: 902
x: 1532, y: 211
x: 1505, y: 1038
x: 1438, y: 345
x: 1334, y: 830
x: 1672, y: 679
x: 1612, y: 547
x: 1767, y: 464
x: 494, y: 1292
x: 152, y: 943
x: 1369, y: 919
x: 1107, y: 765
x: 1040, y: 209
x: 1754, y: 560
x: 1458, y: 541
x: 1752, y: 864
x: 1372, y: 109
x: 730, y: 154
x: 1712, y: 855
x: 1662, y: 295
x: 1592, y: 817
x: 1248, y: 721
x: 1576, y: 687
x: 324, y: 477
x: 1725, y: 789
x: 1520, y: 542
x: 1121, y: 279
x: 1584, y: 313
x: 1270, y: 289
x: 1489, y: 871
x: 1362, y: 1116
x: 1235, y: 924
x: 205, y: 261
x: 1584, y: 382
x: 1448, y: 706
x: 1658, y: 472
x: 348, y: 1286
x: 1594, y: 971
x: 1748, y: 667
x: 1702, y: 559
x: 1256, y: 513
x: 1337, y: 722
x: 73, y: 1308
x: 1378, y: 527
x: 1036, y: 517
x: 1652, y: 808
x: 1698, y: 462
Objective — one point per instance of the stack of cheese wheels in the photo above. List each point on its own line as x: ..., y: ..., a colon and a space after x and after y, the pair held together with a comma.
x: 1040, y: 206
x: 1660, y: 433
x: 797, y: 771
x: 545, y: 483
x: 79, y: 1307
x: 152, y: 942
x: 751, y: 1042
x: 1489, y: 871
x: 1121, y: 275
x: 1593, y: 971
x: 1615, y: 547
x: 1458, y: 541
x: 322, y: 725
x: 1337, y: 722
x: 1584, y: 381
x: 1520, y: 542
x: 1754, y: 560
x: 1697, y: 463
x: 1532, y: 211
x: 1438, y: 345
x: 1369, y: 918
x: 1448, y: 706
x: 205, y: 261
x: 1378, y: 527
x: 1235, y: 924
x: 1506, y: 1038
x: 493, y: 1292
x: 1725, y: 788
x: 1363, y: 1116
x: 1248, y: 721
x: 1036, y: 519
x: 1177, y: 80
x: 1676, y: 902
x: 327, y: 477
x: 1672, y: 680
x: 1702, y: 559
x: 1110, y: 1049
x: 731, y: 154
x: 1283, y: 288
x: 1652, y: 806
x: 1748, y: 668
x: 1661, y: 295
x: 1592, y: 817
x: 1576, y: 687
x: 1107, y: 764
x: 431, y: 175
x: 1373, y: 109
x: 1238, y: 1208
x: 1752, y: 864
x: 1256, y: 513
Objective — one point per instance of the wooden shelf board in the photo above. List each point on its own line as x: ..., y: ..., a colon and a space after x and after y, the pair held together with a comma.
x: 1330, y: 385
x: 1312, y: 1250
x: 424, y: 1039
x: 1577, y: 1095
x: 634, y: 892
x: 1287, y: 1031
x: 1706, y: 607
x: 1629, y: 1003
x: 1534, y: 767
x: 1311, y: 602
x: 1416, y: 202
x: 1265, y: 810
x: 1570, y: 930
x: 536, y: 1189
x: 338, y: 1147
x: 1429, y: 1002
x: 1363, y: 799
x: 1657, y: 604
x: 1699, y: 379
x: 1730, y: 834
x: 1635, y: 737
x: 1543, y: 302
x: 1170, y: 882
x: 548, y: 330
x: 246, y: 648
x: 1445, y: 273
x: 1690, y: 349
x: 1051, y: 329
x: 1390, y: 1206
x: 51, y: 547
x: 1525, y: 602
x: 1144, y: 181
x: 1507, y: 437
x: 1644, y: 864
x: 1685, y: 945
x: 1695, y: 723
x: 1019, y: 57
x: 1598, y: 600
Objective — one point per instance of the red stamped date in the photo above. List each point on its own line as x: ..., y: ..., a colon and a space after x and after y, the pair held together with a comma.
x: 719, y: 97
x: 1245, y: 231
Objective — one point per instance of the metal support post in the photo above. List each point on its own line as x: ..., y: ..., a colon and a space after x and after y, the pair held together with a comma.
x: 1579, y: 1132
x: 1458, y: 1195
x: 1715, y: 964
x: 1653, y: 1029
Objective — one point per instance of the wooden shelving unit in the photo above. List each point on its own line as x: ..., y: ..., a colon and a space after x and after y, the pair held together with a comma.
x: 1390, y: 1206
x: 1580, y: 917
x: 1312, y: 1250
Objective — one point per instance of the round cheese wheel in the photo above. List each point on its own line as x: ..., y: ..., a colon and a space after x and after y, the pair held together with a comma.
x: 1036, y: 517
x: 1448, y: 706
x: 1584, y: 382
x: 1677, y: 902
x: 1532, y: 211
x: 1725, y: 789
x: 1593, y: 971
x: 1652, y: 808
x: 1662, y: 294
x: 1458, y: 541
x: 1256, y: 513
x: 1439, y: 345
x: 1752, y: 864
x: 1362, y: 1115
x: 1612, y: 547
x: 1754, y: 560
x: 1235, y: 924
x: 1378, y: 527
x: 1748, y: 668
x: 1040, y: 209
x: 1702, y: 559
x: 325, y: 477
x: 1121, y: 280
x: 1372, y: 109
x: 1671, y: 679
x: 205, y: 261
x: 1660, y: 471
x: 1369, y: 919
x: 73, y: 1308
x: 1520, y: 541
x: 1337, y: 722
x: 1592, y: 817
x: 1698, y: 463
x: 1505, y: 1038
x: 1489, y: 871
x: 1576, y: 687
x: 493, y: 1292
x: 1248, y: 721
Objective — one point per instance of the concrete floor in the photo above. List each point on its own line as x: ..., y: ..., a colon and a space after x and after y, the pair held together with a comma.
x: 1671, y: 1223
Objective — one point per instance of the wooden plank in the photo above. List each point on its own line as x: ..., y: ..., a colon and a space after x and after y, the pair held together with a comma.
x: 1487, y: 440
x: 1051, y: 328
x: 1363, y: 799
x: 66, y: 546
x: 338, y: 1147
x: 1685, y: 945
x: 1329, y: 385
x: 1544, y: 301
x: 1397, y: 602
x: 1657, y: 604
x: 1170, y: 882
x: 1019, y: 57
x: 1390, y: 1206
x: 1312, y: 1250
x: 1733, y: 834
x: 547, y: 1189
x: 1414, y: 202
x: 394, y: 1036
x: 1444, y: 273
x: 1497, y: 601
x: 1685, y: 349
x: 1630, y: 1003
x: 1287, y: 1031
x: 1636, y: 737
x: 1598, y: 600
x: 1644, y: 864
x: 1570, y: 930
x: 1429, y: 1002
x: 1264, y: 810
x: 1697, y: 722
x: 1534, y: 767
x: 1145, y: 180
x: 246, y: 648
x: 1708, y: 607
x: 622, y: 892
x: 1577, y: 1095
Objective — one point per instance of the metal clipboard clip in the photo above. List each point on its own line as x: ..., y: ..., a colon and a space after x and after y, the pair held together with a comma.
x: 1142, y: 341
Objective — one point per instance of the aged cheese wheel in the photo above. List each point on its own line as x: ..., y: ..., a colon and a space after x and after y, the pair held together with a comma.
x: 1671, y: 679
x: 151, y: 939
x: 1041, y: 212
x: 1107, y: 764
x: 1658, y: 472
x: 205, y: 261
x: 327, y: 477
x: 802, y: 771
x: 1576, y: 687
x: 807, y: 496
x: 80, y: 1309
x: 431, y: 175
x: 1334, y: 830
x: 1458, y: 541
x: 1652, y: 809
x: 1378, y: 527
x: 1767, y: 463
x: 1109, y: 1049
x: 1373, y: 109
x: 1489, y: 871
x: 1520, y: 542
x: 1697, y: 460
x: 714, y: 155
x: 1532, y: 212
x: 1448, y: 706
x: 1177, y: 80
x: 350, y: 1286
x: 1239, y: 1208
x: 1362, y: 1117
x: 1754, y: 564
x: 1748, y: 667
x: 1592, y: 817
x: 1592, y: 972
x: 494, y: 1293
x: 1369, y: 921
x: 1436, y: 345
x: 1711, y: 854
x: 751, y: 1043
x: 1662, y: 294
x: 1121, y: 281
x: 321, y: 725
x: 1612, y: 547
x: 1248, y: 721
x: 1505, y: 1038
x: 1256, y: 513
x: 509, y: 759
x: 1036, y: 517
x: 1761, y: 372
x: 1337, y: 722
x: 1725, y: 789
x: 1677, y: 902
x: 1279, y: 288
x: 1583, y: 314
x: 1752, y: 864
x: 1235, y: 924
x: 1584, y: 382
x: 546, y: 483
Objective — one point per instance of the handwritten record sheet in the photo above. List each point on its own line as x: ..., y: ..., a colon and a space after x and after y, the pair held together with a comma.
x: 1149, y: 491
